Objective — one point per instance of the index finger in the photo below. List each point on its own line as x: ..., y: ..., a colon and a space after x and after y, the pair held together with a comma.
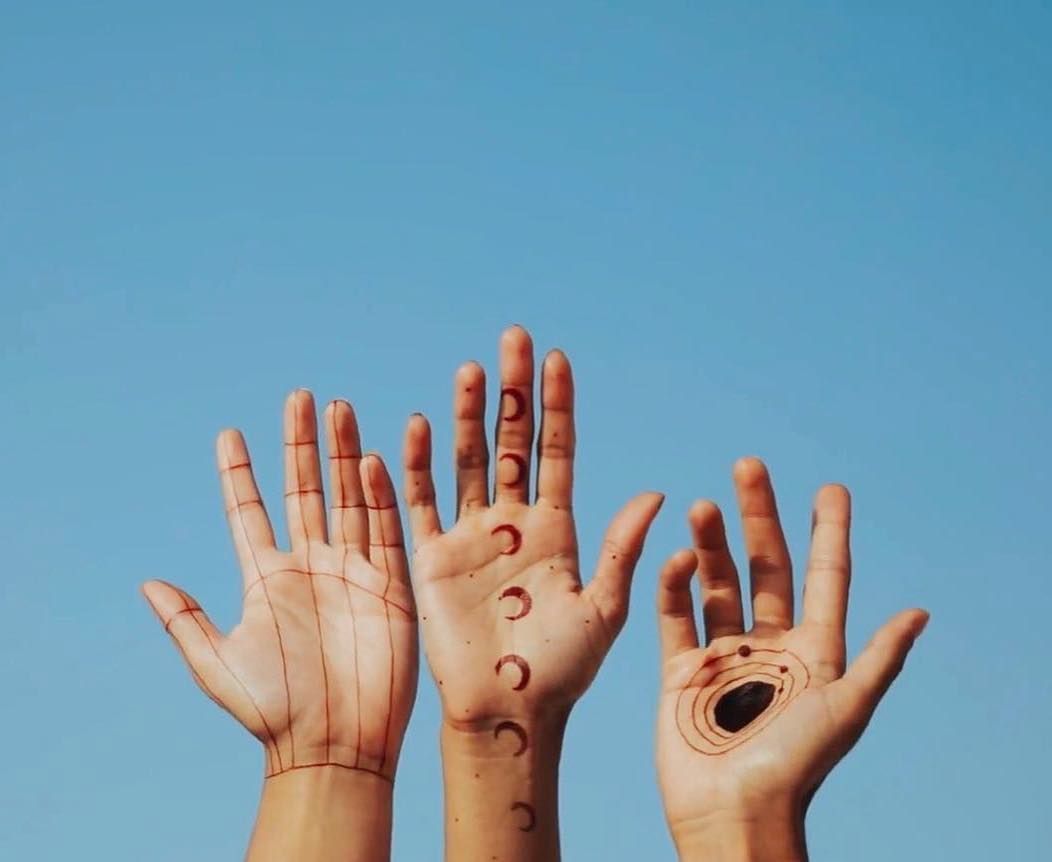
x: 249, y: 525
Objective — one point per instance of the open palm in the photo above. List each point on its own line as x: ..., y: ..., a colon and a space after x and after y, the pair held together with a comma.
x: 322, y: 665
x: 508, y: 629
x: 755, y: 720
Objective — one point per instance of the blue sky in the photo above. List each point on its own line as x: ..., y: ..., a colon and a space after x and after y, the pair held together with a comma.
x: 815, y: 232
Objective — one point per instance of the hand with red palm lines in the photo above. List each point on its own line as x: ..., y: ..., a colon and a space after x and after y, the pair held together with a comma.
x: 742, y: 792
x: 511, y: 636
x: 322, y: 666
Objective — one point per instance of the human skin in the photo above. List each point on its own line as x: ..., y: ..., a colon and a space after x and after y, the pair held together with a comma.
x: 512, y: 636
x: 742, y: 794
x: 322, y: 667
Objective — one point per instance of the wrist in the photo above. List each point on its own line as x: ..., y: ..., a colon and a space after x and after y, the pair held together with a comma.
x: 323, y: 812
x: 770, y: 834
x: 311, y: 753
x: 501, y: 782
x: 532, y: 738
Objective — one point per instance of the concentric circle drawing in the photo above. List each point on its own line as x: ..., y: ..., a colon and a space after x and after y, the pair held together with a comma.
x: 734, y: 696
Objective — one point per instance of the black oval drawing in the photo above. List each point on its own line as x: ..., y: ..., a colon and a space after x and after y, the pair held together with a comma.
x: 743, y: 705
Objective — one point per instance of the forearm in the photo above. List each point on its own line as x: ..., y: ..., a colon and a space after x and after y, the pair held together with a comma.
x: 501, y: 791
x: 323, y: 814
x: 776, y: 835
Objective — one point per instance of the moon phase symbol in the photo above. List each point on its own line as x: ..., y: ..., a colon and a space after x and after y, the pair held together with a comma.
x: 513, y: 534
x: 520, y: 404
x: 520, y: 467
x: 517, y: 730
x: 531, y: 817
x: 523, y: 597
x: 520, y: 663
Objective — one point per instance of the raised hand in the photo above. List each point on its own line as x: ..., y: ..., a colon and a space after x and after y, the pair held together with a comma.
x: 322, y: 666
x: 751, y: 723
x: 512, y: 637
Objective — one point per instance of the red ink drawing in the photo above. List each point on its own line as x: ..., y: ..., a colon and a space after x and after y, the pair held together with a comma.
x: 728, y: 700
x: 531, y: 816
x: 516, y: 729
x: 520, y: 663
x: 520, y: 468
x: 525, y: 602
x: 519, y: 408
x: 513, y: 534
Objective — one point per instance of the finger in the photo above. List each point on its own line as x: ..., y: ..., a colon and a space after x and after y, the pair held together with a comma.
x: 183, y: 619
x: 855, y: 696
x: 246, y: 515
x: 469, y: 438
x: 348, y: 517
x: 622, y: 545
x: 199, y: 641
x: 721, y: 595
x: 555, y: 442
x: 515, y: 417
x: 676, y: 625
x: 386, y: 546
x: 770, y: 569
x: 304, y: 497
x: 419, y: 486
x: 829, y: 566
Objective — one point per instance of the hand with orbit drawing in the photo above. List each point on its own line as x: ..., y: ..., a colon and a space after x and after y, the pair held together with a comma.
x: 322, y: 666
x: 512, y: 637
x: 751, y: 723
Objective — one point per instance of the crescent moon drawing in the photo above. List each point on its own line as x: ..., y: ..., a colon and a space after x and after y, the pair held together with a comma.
x: 517, y: 729
x: 513, y: 534
x: 523, y: 597
x: 520, y: 663
x: 531, y: 817
x: 520, y: 404
x: 520, y: 467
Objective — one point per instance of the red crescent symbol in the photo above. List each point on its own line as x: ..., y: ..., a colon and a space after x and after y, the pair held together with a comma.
x: 512, y: 727
x: 520, y: 404
x: 523, y: 596
x: 531, y: 817
x: 513, y: 534
x: 520, y: 464
x: 520, y: 663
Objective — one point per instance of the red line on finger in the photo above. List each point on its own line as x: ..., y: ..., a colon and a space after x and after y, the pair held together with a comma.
x: 301, y: 491
x: 350, y: 603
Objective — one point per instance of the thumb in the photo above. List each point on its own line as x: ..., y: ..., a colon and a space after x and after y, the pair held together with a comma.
x: 183, y: 619
x: 622, y: 546
x: 855, y: 696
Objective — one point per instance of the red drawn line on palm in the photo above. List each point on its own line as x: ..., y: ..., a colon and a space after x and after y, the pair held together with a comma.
x: 742, y: 673
x: 303, y: 572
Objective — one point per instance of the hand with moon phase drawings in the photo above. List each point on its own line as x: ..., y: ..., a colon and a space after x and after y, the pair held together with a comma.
x: 512, y: 637
x: 751, y: 723
x: 322, y: 666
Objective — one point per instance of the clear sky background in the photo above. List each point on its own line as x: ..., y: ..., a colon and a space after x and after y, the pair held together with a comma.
x: 817, y: 232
